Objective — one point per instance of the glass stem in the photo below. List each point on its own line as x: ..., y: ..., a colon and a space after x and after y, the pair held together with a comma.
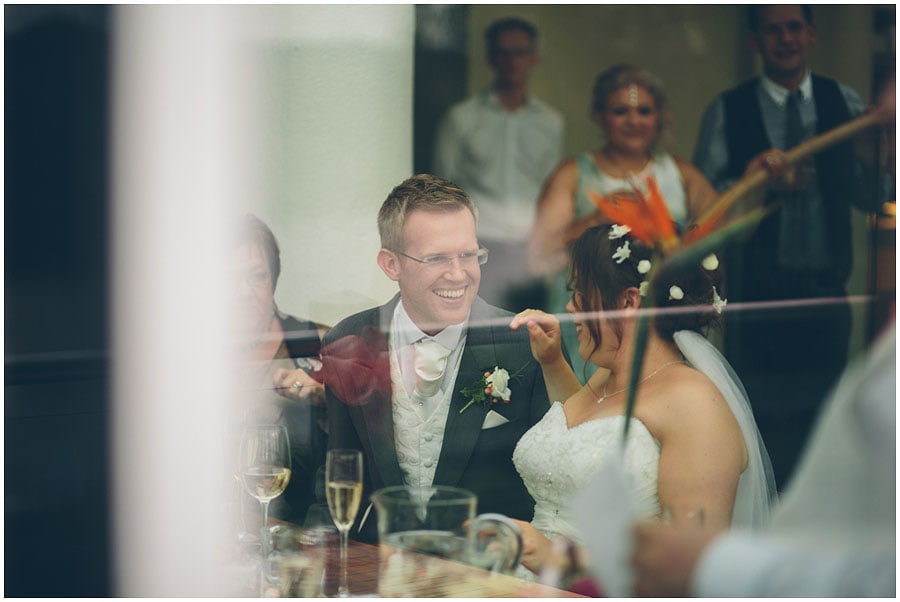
x: 343, y: 588
x: 264, y: 532
x: 265, y: 506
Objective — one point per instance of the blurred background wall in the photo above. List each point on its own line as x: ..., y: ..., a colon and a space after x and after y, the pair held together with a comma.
x: 337, y: 109
x: 351, y: 98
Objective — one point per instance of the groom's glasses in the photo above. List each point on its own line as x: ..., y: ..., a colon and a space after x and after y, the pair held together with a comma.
x: 445, y: 261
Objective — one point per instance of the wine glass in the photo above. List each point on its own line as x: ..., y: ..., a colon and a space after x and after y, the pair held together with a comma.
x: 343, y: 491
x: 265, y: 464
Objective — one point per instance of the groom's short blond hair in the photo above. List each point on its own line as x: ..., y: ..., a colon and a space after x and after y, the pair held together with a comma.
x: 423, y: 192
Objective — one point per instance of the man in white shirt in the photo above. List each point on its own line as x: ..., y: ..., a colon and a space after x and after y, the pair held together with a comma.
x: 500, y: 146
x: 400, y: 378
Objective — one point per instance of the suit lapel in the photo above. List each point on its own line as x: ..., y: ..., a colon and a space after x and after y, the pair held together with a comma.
x: 462, y: 430
x: 378, y: 415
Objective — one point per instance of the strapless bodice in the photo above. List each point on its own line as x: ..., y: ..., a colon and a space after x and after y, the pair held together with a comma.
x: 555, y: 461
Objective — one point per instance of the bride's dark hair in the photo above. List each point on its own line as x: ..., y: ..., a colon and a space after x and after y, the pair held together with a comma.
x: 600, y: 282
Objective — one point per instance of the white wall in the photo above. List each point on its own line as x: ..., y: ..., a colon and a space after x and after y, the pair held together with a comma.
x: 337, y: 101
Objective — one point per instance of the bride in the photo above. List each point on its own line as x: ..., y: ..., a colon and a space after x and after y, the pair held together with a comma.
x: 692, y: 444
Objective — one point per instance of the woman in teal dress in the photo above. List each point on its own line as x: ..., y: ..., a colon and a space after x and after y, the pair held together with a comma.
x: 629, y: 105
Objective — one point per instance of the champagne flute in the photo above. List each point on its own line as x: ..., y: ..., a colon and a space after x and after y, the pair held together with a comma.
x: 265, y: 464
x: 343, y: 490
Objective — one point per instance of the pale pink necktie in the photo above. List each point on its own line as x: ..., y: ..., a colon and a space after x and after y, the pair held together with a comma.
x: 429, y: 363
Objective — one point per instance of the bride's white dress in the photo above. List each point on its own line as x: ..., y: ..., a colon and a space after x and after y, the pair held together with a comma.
x: 555, y: 461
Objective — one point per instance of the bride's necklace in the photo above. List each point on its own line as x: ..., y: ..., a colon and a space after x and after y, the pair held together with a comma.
x: 643, y: 380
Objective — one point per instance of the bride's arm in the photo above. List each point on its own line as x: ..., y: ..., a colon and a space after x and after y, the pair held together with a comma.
x: 702, y: 451
x: 546, y: 347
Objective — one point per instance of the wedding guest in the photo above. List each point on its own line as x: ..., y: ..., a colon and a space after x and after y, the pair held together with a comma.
x: 279, y: 352
x: 400, y: 379
x: 630, y: 107
x: 834, y: 533
x: 499, y: 146
x: 804, y: 250
x: 692, y: 444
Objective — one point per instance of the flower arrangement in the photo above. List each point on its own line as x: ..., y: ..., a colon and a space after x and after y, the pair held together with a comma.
x: 492, y: 387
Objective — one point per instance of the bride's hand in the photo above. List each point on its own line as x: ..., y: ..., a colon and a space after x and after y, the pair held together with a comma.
x: 544, y: 334
x: 536, y: 549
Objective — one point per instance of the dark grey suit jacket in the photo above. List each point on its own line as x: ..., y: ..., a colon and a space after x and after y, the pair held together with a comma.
x: 471, y: 458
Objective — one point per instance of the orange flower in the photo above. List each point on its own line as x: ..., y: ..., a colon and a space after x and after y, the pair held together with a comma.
x: 645, y: 214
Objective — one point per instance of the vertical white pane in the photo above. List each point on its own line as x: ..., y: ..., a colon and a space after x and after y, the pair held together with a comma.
x: 301, y: 114
x: 181, y: 165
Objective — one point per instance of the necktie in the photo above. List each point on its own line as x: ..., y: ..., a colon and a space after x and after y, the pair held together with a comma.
x: 793, y: 126
x: 429, y: 363
x: 794, y: 239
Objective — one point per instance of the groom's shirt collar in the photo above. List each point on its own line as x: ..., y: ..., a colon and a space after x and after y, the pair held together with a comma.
x: 408, y: 333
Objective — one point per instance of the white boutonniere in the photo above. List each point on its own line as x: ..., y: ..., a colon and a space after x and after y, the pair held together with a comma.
x: 492, y: 387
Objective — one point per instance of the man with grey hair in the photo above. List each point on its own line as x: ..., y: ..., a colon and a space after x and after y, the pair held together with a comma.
x: 433, y: 387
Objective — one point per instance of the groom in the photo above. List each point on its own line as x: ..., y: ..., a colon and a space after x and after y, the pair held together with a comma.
x: 434, y: 339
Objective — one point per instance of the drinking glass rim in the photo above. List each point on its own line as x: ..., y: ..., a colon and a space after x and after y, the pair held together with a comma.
x: 344, y: 452
x: 460, y: 495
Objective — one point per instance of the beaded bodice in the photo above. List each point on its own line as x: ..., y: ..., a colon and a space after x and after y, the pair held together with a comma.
x: 555, y: 461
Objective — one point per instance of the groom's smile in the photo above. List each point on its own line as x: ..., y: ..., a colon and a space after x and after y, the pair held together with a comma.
x: 437, y: 270
x: 450, y: 294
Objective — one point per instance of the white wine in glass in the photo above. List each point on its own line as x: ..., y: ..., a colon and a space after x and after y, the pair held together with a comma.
x: 265, y: 464
x: 343, y: 491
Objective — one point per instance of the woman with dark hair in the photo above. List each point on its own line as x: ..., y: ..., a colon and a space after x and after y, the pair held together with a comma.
x: 692, y: 444
x: 279, y: 353
x: 630, y: 107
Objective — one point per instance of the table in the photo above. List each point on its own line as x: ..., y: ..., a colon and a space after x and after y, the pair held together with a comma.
x: 458, y: 581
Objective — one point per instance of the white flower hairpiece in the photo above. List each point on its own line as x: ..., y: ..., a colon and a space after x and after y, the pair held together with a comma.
x: 710, y: 262
x: 618, y: 231
x: 644, y: 266
x: 718, y: 302
x: 622, y: 253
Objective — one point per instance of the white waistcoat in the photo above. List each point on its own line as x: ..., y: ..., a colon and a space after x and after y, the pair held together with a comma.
x: 418, y: 439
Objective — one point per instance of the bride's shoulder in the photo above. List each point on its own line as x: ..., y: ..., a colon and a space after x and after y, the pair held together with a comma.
x: 686, y: 397
x: 687, y: 383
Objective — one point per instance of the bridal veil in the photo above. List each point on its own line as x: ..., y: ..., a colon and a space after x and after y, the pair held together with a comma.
x: 756, y: 488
